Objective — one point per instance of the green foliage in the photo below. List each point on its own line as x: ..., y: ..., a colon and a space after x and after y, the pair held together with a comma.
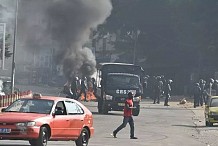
x: 7, y: 47
x: 172, y: 32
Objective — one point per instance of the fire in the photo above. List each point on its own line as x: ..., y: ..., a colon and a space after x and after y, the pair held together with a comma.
x: 90, y: 95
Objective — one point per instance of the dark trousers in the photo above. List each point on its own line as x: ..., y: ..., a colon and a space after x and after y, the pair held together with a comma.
x: 157, y: 97
x: 123, y: 125
x: 196, y: 100
x: 166, y: 99
x: 84, y: 93
x: 204, y: 97
x: 201, y: 100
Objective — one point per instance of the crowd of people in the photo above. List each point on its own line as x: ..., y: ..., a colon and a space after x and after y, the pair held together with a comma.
x: 202, y: 90
x: 77, y: 87
x: 156, y: 87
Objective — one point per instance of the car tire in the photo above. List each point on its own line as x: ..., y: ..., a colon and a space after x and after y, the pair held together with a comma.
x: 83, y: 138
x: 208, y: 124
x: 135, y: 112
x: 43, y: 137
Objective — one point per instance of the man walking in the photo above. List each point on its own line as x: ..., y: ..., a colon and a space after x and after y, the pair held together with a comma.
x: 127, y: 117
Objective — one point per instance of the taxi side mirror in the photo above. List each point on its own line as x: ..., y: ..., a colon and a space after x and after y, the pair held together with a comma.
x: 53, y: 113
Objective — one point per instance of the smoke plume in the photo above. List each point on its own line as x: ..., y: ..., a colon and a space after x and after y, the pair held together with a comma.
x: 68, y: 23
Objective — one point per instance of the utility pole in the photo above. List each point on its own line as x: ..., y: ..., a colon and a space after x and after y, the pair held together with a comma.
x: 3, y: 45
x: 14, y: 49
x: 135, y: 45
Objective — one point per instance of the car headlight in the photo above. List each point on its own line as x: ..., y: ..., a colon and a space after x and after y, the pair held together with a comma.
x: 138, y: 98
x: 26, y: 124
x: 108, y: 97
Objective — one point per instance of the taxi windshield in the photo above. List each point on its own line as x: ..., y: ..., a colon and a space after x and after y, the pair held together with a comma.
x: 40, y: 106
x: 214, y: 102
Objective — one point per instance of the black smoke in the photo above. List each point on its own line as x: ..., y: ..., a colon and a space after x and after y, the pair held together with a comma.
x: 68, y: 23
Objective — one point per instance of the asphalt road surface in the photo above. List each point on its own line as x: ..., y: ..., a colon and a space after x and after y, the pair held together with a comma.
x: 156, y: 125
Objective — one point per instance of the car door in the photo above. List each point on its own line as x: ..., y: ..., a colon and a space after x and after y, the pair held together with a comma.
x: 61, y: 122
x: 76, y: 115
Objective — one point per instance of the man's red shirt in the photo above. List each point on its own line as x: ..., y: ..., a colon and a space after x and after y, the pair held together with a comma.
x: 128, y: 111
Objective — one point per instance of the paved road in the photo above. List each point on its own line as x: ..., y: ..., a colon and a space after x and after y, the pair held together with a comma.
x: 155, y: 126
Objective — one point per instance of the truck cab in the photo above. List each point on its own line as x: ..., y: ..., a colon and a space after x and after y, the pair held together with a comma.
x: 116, y: 81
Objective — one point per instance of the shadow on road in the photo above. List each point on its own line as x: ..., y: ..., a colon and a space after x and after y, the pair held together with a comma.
x: 113, y: 114
x: 190, y: 126
x: 164, y: 108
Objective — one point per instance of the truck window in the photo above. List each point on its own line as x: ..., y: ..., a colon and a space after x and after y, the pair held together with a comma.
x: 123, y: 80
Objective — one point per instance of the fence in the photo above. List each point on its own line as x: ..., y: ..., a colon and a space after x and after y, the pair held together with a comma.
x: 6, y: 100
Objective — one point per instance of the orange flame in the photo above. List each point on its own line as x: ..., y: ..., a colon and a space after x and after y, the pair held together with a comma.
x: 89, y: 95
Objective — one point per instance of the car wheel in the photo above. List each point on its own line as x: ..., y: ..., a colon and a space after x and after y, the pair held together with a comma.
x: 207, y: 123
x: 43, y: 137
x: 210, y: 124
x: 83, y: 138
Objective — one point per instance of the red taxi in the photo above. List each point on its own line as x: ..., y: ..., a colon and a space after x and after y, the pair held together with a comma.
x: 43, y: 118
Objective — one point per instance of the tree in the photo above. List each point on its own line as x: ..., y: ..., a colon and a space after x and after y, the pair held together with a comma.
x: 7, y: 47
x: 149, y: 17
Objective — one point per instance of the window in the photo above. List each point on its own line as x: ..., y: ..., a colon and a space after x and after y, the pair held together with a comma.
x: 123, y: 80
x: 31, y: 106
x: 73, y: 108
x: 214, y: 102
x: 60, y: 108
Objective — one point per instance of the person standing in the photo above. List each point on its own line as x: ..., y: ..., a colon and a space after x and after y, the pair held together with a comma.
x: 127, y: 117
x: 215, y: 87
x: 83, y: 89
x: 158, y: 90
x: 202, y: 93
x: 145, y: 86
x: 94, y: 86
x: 74, y: 87
x: 208, y: 88
x: 167, y: 91
x: 197, y: 94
